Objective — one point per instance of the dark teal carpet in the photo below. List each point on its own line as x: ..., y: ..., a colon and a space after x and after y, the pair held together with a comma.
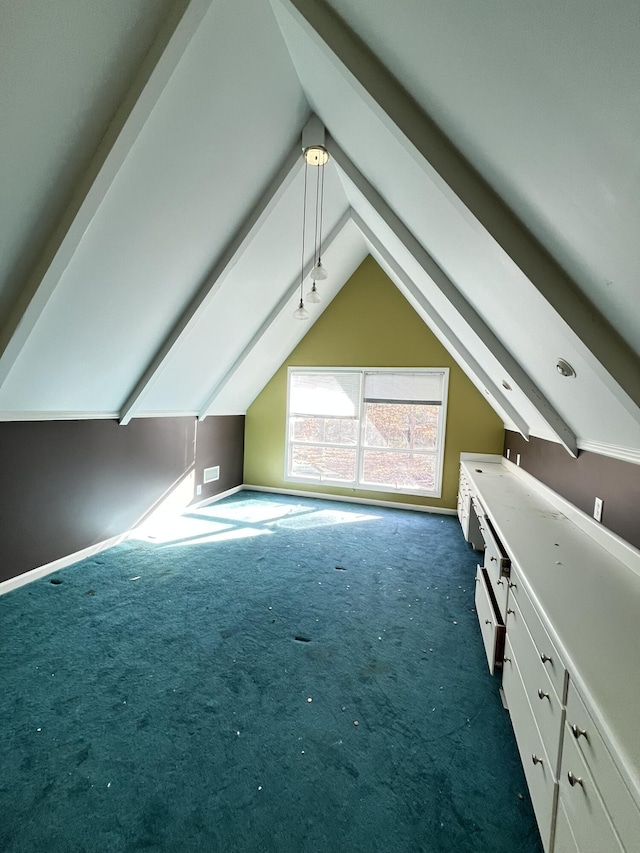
x: 172, y: 712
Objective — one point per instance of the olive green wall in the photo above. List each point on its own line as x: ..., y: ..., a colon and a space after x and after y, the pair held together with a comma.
x: 369, y: 324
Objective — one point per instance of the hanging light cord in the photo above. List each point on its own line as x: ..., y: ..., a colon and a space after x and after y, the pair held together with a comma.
x: 321, y: 180
x: 316, y: 255
x: 304, y: 228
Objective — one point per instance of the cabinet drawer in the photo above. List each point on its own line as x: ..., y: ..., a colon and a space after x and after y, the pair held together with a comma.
x: 586, y: 740
x: 545, y: 648
x: 490, y: 622
x: 537, y: 770
x: 545, y: 703
x: 584, y: 810
x: 499, y: 583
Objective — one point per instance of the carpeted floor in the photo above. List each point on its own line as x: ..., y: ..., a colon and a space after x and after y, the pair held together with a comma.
x: 268, y: 674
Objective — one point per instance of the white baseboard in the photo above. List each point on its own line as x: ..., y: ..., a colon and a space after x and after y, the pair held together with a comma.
x: 299, y: 493
x: 62, y: 563
x: 214, y: 498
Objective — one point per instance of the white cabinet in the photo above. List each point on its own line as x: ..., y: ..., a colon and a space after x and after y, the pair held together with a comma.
x: 563, y: 596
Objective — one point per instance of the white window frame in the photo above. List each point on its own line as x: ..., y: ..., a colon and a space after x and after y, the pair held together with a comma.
x: 359, y: 447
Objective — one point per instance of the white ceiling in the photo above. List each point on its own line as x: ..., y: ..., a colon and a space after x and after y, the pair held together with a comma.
x: 151, y: 230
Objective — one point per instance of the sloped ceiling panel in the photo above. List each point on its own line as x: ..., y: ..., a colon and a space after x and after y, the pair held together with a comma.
x: 249, y: 293
x: 529, y: 328
x: 342, y: 258
x: 65, y: 68
x: 544, y: 100
x: 199, y: 163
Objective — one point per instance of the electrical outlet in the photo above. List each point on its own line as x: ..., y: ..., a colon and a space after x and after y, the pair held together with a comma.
x: 597, y: 509
x: 198, y: 490
x: 518, y: 459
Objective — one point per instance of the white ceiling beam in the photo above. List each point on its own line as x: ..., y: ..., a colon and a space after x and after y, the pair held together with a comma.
x: 467, y: 190
x: 280, y: 306
x: 65, y: 241
x: 233, y: 251
x: 457, y: 301
x: 444, y: 332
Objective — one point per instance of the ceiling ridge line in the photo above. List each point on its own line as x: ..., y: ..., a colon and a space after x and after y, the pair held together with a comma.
x: 252, y: 223
x: 273, y: 314
x: 451, y: 340
x: 456, y: 299
x: 42, y: 283
x: 470, y: 193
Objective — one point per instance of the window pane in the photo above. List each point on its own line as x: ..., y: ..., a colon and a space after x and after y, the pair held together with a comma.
x: 420, y: 387
x: 399, y: 470
x: 324, y: 430
x: 323, y: 463
x: 402, y: 426
x: 324, y: 394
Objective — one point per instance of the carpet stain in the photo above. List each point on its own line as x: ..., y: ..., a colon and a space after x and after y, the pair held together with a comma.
x: 375, y: 667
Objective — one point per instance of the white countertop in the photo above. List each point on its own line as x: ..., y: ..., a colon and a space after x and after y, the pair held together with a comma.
x: 587, y: 593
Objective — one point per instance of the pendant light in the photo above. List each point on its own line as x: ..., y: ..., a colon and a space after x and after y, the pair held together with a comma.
x: 315, y: 155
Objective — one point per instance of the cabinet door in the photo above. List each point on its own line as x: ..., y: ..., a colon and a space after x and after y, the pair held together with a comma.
x: 564, y: 840
x: 585, y: 812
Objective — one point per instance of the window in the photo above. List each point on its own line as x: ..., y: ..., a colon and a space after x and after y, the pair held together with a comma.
x: 374, y: 429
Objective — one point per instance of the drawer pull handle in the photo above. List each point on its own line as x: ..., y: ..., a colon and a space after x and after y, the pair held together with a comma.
x: 506, y: 660
x: 511, y: 611
x: 492, y: 560
x: 573, y: 780
x: 487, y: 621
x: 576, y: 732
x: 537, y: 760
x: 500, y: 582
x: 545, y: 658
x: 542, y: 694
x: 513, y: 585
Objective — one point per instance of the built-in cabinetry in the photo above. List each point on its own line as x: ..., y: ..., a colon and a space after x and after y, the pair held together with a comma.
x: 558, y: 602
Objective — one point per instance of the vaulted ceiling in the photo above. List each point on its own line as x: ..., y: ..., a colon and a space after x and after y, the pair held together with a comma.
x: 486, y: 154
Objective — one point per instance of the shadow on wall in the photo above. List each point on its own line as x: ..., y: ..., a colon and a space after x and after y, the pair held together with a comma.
x: 68, y: 485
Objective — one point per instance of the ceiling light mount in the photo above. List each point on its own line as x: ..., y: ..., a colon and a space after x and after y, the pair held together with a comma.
x: 565, y: 369
x: 316, y: 155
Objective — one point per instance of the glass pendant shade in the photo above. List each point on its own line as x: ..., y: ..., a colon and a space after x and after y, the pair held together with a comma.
x: 301, y: 312
x: 313, y: 295
x: 318, y: 273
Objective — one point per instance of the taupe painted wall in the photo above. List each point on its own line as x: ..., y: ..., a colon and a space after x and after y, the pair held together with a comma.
x: 583, y: 479
x: 369, y: 324
x: 66, y: 485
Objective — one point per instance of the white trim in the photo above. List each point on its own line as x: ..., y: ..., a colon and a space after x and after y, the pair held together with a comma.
x: 57, y: 416
x: 602, y: 448
x: 214, y: 498
x: 62, y: 563
x: 348, y: 499
x: 614, y: 544
x: 359, y: 448
x: 614, y: 451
